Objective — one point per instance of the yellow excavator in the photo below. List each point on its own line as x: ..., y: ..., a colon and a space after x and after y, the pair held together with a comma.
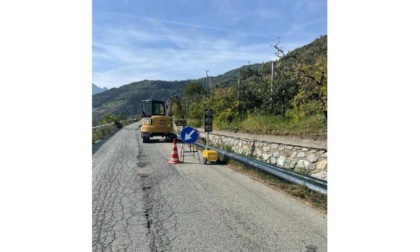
x: 157, y: 119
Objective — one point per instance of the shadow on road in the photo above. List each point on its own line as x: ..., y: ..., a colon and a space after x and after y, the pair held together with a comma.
x: 155, y: 141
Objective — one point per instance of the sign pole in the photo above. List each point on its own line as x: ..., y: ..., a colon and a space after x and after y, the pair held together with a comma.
x: 189, y: 135
x: 207, y: 140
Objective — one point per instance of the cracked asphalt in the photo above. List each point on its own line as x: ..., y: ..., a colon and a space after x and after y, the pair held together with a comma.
x: 142, y: 203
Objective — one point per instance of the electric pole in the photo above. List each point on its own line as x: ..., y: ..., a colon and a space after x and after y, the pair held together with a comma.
x: 207, y: 80
x: 271, y: 87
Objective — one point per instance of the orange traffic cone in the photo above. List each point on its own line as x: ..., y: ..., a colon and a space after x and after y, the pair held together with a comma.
x: 174, y: 156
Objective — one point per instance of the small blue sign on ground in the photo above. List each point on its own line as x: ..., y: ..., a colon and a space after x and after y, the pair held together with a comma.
x: 189, y: 135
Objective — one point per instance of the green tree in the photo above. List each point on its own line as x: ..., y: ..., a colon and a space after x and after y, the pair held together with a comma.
x: 251, y: 91
x: 192, y: 100
x: 109, y: 118
x: 284, y: 87
x: 301, y: 81
x: 224, y: 103
x: 177, y: 110
x: 193, y: 89
x: 312, y: 95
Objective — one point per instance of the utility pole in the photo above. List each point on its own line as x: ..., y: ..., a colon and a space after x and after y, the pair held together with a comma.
x: 211, y: 86
x: 271, y: 88
x: 239, y: 82
x: 205, y: 85
x: 186, y: 106
x: 207, y: 79
x: 272, y: 75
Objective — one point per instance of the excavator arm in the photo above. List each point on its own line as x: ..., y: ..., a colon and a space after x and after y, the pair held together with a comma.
x: 169, y: 106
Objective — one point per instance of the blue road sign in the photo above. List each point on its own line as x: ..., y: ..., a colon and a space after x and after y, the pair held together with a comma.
x: 189, y: 135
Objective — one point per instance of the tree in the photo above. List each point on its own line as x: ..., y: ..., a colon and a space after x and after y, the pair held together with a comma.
x: 301, y: 81
x: 193, y: 89
x: 284, y: 84
x: 252, y: 91
x: 110, y: 118
x: 284, y: 88
x: 312, y: 95
x: 193, y: 100
x: 224, y: 103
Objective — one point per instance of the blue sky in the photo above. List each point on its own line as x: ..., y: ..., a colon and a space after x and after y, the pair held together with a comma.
x: 135, y: 40
x: 46, y: 50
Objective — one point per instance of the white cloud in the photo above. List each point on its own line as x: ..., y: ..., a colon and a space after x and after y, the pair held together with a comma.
x: 172, y: 64
x: 195, y: 54
x: 159, y: 48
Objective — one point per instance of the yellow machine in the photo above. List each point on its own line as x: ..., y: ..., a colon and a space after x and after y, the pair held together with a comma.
x: 210, y: 155
x: 156, y: 119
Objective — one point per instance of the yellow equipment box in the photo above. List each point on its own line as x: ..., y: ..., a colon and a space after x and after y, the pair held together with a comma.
x: 210, y: 155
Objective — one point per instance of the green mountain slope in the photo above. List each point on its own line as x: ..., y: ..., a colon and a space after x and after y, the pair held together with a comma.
x: 125, y: 100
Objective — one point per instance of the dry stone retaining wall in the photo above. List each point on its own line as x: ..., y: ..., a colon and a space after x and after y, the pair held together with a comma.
x: 307, y: 160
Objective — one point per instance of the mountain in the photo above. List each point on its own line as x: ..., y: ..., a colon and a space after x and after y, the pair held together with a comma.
x: 310, y: 51
x: 229, y: 77
x: 125, y: 100
x: 97, y: 90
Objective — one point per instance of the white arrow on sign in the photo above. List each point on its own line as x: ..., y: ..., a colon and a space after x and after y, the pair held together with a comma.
x: 188, y: 135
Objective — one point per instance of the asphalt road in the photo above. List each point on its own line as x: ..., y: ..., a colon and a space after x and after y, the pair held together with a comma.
x: 143, y: 203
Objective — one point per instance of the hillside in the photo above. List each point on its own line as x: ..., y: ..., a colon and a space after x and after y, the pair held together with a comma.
x: 310, y: 51
x: 125, y: 99
x: 97, y: 90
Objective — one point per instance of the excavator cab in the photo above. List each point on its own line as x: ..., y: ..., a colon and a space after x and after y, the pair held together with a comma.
x: 155, y: 122
x: 152, y: 107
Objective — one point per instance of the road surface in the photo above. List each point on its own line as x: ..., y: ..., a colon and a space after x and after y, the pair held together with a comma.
x: 142, y: 203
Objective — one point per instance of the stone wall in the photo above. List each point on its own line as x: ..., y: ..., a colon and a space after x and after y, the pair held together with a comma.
x: 307, y: 160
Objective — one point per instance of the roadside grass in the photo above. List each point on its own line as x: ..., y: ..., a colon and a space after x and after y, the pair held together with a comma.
x: 194, y: 123
x: 311, y: 198
x: 101, y: 133
x: 283, y: 126
x: 270, y: 125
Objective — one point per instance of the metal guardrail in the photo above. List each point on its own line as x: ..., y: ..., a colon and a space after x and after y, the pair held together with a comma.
x: 102, y: 126
x: 111, y: 124
x: 312, y: 183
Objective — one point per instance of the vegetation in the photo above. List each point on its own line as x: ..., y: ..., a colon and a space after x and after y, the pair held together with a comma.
x: 312, y: 125
x: 102, y: 132
x: 109, y: 124
x: 291, y: 100
x: 126, y: 99
x: 109, y: 118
